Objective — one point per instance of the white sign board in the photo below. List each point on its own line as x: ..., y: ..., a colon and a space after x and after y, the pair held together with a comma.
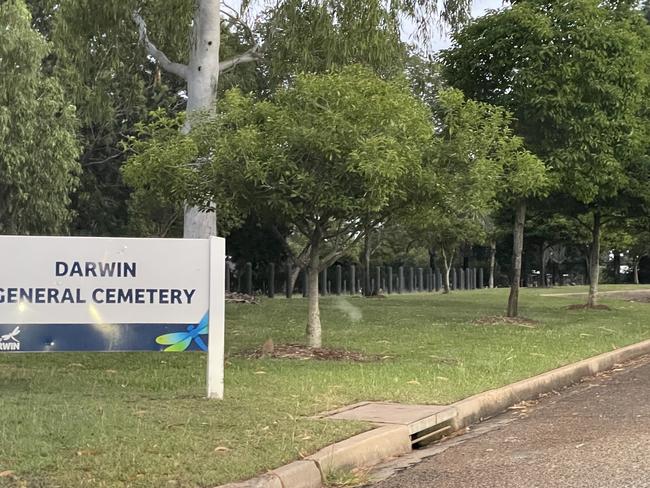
x: 114, y: 294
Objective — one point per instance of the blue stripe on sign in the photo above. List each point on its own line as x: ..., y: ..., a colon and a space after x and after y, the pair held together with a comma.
x: 93, y: 337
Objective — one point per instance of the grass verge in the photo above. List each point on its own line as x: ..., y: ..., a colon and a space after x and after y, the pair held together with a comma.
x: 139, y: 419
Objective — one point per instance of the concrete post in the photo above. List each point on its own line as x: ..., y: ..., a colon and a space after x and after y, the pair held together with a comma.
x: 377, y: 285
x: 400, y: 284
x: 227, y: 277
x: 271, y: 290
x: 288, y: 290
x: 339, y: 279
x: 249, y: 279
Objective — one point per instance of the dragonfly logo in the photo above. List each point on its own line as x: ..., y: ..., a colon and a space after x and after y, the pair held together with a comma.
x: 9, y: 342
x: 180, y: 341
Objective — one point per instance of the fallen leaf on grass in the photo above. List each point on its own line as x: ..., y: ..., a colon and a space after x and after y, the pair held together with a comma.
x: 221, y: 449
x: 7, y: 474
x: 442, y: 378
x: 260, y: 372
x: 87, y: 452
x: 111, y: 371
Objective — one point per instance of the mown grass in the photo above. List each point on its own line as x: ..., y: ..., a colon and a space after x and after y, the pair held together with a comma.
x: 140, y: 420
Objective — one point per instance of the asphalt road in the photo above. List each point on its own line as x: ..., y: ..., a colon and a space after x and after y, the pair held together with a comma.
x: 595, y: 434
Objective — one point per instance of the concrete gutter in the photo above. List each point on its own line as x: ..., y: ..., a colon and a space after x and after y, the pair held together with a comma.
x: 388, y: 441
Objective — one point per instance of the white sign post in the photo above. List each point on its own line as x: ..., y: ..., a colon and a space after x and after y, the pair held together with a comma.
x: 114, y: 294
x: 216, y: 337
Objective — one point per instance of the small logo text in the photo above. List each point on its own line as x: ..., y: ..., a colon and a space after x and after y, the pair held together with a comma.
x: 10, y: 342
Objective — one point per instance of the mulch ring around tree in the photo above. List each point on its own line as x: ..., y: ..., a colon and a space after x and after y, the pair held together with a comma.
x: 233, y: 297
x: 501, y: 320
x: 584, y: 306
x: 302, y: 352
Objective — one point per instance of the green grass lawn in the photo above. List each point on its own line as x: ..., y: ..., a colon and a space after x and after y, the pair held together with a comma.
x: 139, y: 419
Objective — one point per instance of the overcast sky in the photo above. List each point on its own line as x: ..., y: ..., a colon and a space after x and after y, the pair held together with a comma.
x: 440, y: 41
x: 478, y: 8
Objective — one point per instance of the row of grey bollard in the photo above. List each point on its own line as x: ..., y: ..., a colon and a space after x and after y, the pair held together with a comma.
x: 384, y: 280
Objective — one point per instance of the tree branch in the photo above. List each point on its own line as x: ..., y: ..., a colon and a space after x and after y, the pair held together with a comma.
x: 161, y: 58
x: 95, y: 163
x: 233, y: 18
x: 328, y: 260
x: 251, y: 56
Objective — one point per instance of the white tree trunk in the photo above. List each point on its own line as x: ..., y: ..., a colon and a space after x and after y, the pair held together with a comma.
x: 203, y: 68
x: 493, y: 262
x: 314, y: 337
x: 202, y: 77
x: 446, y: 269
x: 517, y: 250
x: 198, y: 224
x: 594, y: 262
x: 202, y: 80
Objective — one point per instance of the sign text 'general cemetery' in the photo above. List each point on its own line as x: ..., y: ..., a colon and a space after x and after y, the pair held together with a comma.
x: 113, y: 294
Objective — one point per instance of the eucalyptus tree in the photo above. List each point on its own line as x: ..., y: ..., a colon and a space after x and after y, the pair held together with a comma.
x: 38, y: 146
x: 574, y: 75
x: 185, y: 39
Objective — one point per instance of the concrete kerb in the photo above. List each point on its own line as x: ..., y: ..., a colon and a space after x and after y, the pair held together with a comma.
x: 491, y: 402
x: 366, y: 449
x: 375, y: 446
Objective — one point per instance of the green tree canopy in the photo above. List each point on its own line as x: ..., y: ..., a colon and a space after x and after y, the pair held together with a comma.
x: 475, y: 165
x: 38, y: 147
x: 575, y: 76
x: 317, y: 155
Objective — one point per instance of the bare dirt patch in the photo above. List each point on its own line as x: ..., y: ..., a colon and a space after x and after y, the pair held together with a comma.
x: 302, y: 352
x: 501, y: 320
x: 640, y: 295
x: 635, y: 296
x: 584, y: 306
